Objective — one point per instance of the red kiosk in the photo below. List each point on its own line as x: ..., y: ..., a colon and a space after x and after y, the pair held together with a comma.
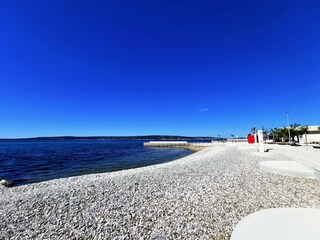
x: 251, y: 139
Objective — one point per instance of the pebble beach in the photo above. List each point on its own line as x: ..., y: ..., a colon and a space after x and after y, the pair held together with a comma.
x: 201, y: 196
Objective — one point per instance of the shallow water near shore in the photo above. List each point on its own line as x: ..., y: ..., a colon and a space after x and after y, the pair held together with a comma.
x: 32, y: 161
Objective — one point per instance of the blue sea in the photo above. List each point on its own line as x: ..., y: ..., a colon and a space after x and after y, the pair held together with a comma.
x: 30, y: 161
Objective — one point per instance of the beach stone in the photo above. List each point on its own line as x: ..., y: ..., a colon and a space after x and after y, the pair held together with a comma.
x: 6, y: 183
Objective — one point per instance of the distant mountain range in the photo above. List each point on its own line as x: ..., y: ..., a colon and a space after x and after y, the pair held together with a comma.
x: 147, y: 137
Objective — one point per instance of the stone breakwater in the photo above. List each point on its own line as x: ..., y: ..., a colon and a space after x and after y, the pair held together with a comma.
x: 201, y: 196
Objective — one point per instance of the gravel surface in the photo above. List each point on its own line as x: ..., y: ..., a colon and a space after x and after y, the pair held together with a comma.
x: 201, y: 196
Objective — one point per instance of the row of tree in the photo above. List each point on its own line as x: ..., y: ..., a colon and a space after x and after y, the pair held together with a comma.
x: 282, y: 134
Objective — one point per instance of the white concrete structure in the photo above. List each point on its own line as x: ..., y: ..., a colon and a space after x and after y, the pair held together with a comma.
x: 165, y: 143
x: 237, y: 140
x: 279, y: 224
x: 260, y: 140
x: 307, y: 156
x: 288, y: 168
x: 312, y: 136
x: 177, y: 143
x: 202, y: 144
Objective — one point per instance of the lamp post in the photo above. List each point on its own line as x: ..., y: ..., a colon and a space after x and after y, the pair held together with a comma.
x: 288, y: 126
x: 255, y: 133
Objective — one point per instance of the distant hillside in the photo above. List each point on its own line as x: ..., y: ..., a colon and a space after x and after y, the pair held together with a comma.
x: 147, y: 138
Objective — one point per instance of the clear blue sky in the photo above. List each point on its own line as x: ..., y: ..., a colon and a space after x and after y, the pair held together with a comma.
x: 157, y: 67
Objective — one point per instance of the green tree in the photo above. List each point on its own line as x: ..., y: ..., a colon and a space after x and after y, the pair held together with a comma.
x: 303, y: 131
x: 266, y: 132
x: 295, y: 131
x: 274, y: 132
x: 283, y: 133
x: 253, y: 130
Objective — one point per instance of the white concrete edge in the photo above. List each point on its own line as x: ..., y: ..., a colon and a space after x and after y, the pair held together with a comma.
x: 288, y: 168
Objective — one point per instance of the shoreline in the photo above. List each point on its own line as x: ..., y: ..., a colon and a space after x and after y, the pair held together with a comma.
x: 127, y: 161
x: 189, y: 147
x: 194, y: 150
x: 204, y: 194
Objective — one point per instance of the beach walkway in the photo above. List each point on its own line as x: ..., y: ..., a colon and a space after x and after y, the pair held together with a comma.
x: 305, y: 154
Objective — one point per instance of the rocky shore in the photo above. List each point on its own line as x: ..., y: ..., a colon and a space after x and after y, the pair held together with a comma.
x: 201, y: 196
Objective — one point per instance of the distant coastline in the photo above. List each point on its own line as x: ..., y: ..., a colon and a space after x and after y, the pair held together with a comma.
x: 145, y: 137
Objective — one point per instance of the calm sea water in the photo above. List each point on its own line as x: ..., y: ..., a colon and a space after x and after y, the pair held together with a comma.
x: 29, y: 161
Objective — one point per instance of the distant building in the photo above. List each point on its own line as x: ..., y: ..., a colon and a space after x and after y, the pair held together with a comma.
x: 313, y: 135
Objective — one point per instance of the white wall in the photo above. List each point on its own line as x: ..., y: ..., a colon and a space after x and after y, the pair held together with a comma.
x: 310, y: 138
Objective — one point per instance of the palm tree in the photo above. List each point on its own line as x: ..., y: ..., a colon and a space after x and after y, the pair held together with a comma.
x: 274, y: 132
x: 282, y: 132
x: 266, y: 132
x: 232, y: 136
x: 304, y: 130
x: 295, y: 131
